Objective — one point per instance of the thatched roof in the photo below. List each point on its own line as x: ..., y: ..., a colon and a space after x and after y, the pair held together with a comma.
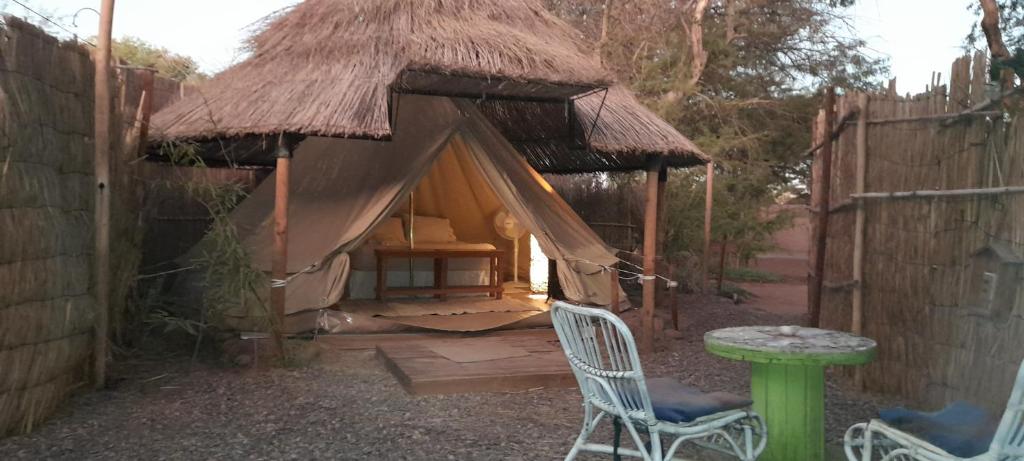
x: 324, y: 67
x: 624, y: 134
x: 335, y: 68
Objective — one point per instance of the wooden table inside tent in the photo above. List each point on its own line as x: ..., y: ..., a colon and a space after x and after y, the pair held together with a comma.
x: 440, y: 289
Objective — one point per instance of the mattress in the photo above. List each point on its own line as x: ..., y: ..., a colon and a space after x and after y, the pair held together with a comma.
x: 364, y: 259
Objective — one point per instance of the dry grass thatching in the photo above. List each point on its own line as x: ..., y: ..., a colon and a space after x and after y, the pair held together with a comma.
x: 625, y: 130
x: 324, y: 67
x: 339, y: 78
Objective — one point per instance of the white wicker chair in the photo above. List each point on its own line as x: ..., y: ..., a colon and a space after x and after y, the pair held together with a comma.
x: 878, y: 440
x: 603, y: 356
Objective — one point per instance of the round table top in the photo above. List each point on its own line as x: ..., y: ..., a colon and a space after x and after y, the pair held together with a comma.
x: 791, y: 345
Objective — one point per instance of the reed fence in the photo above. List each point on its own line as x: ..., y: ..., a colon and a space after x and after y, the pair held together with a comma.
x: 47, y: 307
x: 935, y: 273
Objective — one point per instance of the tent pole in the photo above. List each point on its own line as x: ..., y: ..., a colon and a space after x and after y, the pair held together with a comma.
x: 650, y: 248
x: 279, y: 266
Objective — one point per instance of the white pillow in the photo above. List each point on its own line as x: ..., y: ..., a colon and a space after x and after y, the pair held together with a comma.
x: 389, y: 231
x: 434, y: 230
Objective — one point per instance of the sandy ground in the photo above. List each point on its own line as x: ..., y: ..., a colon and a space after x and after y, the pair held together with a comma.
x: 778, y: 298
x: 346, y: 406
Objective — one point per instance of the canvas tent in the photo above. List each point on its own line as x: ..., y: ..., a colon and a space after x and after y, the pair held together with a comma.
x: 345, y: 187
x: 344, y: 69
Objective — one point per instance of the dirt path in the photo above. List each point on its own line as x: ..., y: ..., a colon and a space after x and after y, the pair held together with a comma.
x: 348, y: 407
x: 778, y: 298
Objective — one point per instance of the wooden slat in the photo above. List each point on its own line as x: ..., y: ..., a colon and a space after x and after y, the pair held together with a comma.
x: 422, y: 371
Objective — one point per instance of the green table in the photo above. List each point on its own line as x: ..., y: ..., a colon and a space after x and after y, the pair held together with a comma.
x: 788, y: 380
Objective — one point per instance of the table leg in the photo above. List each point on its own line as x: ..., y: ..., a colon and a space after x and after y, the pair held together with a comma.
x: 381, y: 277
x: 444, y: 278
x: 498, y: 285
x: 791, y: 398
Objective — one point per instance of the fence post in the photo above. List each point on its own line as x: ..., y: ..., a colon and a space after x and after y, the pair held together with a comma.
x: 822, y: 208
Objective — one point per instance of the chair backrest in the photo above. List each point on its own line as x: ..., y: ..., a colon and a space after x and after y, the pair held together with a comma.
x: 1008, y: 442
x: 603, y: 356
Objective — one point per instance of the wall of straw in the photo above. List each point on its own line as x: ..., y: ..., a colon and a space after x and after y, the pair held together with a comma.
x: 46, y: 195
x: 935, y: 344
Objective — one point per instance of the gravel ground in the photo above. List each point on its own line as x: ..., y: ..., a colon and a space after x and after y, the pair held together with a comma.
x: 346, y: 406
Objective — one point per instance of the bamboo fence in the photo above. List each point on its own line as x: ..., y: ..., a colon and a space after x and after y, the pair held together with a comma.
x: 47, y: 308
x: 919, y: 255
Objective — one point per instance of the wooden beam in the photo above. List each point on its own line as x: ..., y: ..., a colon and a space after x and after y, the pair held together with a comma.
x: 650, y: 248
x: 938, y: 193
x: 101, y: 172
x: 825, y: 183
x: 709, y: 200
x: 279, y: 265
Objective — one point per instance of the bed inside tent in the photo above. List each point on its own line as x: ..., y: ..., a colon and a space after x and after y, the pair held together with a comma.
x: 447, y: 180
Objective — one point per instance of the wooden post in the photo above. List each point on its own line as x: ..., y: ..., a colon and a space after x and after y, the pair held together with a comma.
x: 146, y: 108
x: 822, y: 208
x: 673, y: 292
x: 279, y: 265
x: 856, y: 323
x: 101, y: 172
x: 659, y: 252
x: 708, y: 202
x: 721, y: 262
x: 614, y: 280
x: 650, y: 248
x: 857, y: 309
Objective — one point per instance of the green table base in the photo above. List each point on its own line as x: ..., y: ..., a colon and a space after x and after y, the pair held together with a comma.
x: 791, y: 400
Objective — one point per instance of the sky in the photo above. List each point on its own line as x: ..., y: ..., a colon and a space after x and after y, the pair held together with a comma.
x: 918, y: 36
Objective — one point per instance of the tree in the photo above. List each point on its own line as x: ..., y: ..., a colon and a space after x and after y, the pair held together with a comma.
x: 997, y: 15
x: 739, y: 78
x: 137, y: 52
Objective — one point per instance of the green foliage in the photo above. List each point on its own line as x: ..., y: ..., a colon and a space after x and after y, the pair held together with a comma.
x: 137, y: 52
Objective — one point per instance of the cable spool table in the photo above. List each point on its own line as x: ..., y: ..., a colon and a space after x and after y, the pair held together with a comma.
x: 787, y: 380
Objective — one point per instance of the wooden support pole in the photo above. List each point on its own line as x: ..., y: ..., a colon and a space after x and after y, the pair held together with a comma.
x: 825, y: 184
x: 709, y: 200
x: 101, y: 172
x: 650, y: 248
x: 279, y: 265
x: 145, y: 108
x: 857, y: 309
x: 614, y: 281
x: 659, y: 252
x: 673, y: 293
x: 856, y: 323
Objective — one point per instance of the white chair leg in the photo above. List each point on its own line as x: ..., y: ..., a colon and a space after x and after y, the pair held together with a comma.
x: 584, y: 432
x: 656, y: 453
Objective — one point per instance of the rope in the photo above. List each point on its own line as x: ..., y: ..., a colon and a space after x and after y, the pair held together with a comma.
x: 632, y: 275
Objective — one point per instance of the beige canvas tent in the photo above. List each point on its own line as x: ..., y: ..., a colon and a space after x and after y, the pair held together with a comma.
x: 465, y: 171
x: 359, y: 93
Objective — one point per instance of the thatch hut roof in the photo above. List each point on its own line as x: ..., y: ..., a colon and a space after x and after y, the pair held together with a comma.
x: 334, y: 68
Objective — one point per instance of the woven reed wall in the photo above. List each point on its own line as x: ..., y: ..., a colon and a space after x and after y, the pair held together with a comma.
x: 920, y: 292
x: 175, y: 219
x: 46, y: 243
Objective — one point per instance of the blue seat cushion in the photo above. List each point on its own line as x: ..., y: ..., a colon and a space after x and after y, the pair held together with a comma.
x: 961, y: 429
x: 675, y: 402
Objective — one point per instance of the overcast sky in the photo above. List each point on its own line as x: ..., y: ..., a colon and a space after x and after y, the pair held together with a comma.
x: 918, y: 36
